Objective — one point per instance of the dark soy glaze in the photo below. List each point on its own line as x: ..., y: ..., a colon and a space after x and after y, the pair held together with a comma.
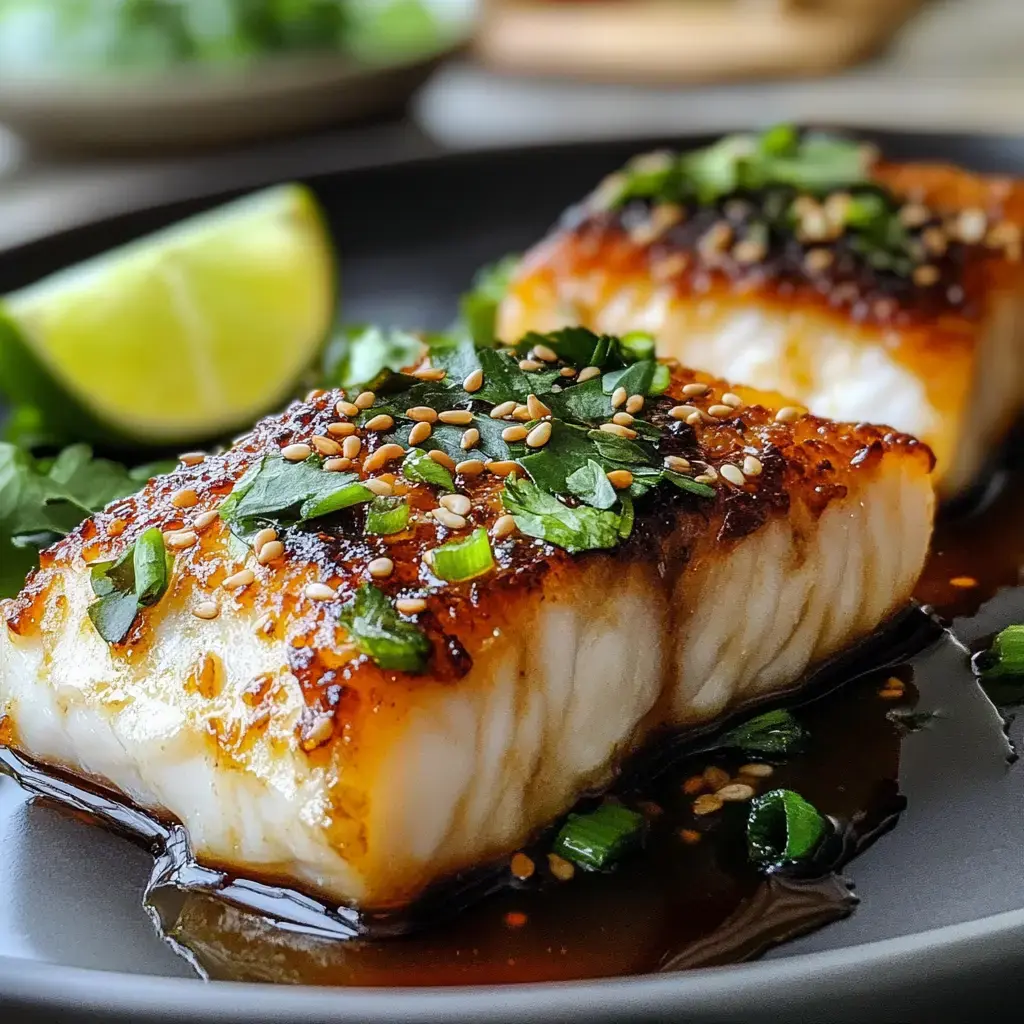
x: 675, y: 904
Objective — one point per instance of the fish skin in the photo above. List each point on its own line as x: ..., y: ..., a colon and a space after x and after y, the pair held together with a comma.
x: 541, y: 681
x: 948, y: 372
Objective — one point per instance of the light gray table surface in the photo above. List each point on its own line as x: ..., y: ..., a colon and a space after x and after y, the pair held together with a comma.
x: 958, y: 66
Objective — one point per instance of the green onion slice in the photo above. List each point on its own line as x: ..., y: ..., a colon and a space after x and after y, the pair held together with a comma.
x: 774, y: 732
x: 465, y: 559
x: 596, y: 841
x: 387, y: 515
x: 783, y: 827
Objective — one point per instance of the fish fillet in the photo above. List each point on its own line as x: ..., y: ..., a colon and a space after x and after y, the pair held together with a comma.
x: 940, y: 356
x: 290, y: 756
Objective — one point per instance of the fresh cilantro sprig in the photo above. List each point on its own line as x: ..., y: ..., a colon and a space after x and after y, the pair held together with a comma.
x: 42, y: 499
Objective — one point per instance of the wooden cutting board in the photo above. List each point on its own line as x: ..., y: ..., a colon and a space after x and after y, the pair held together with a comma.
x: 685, y: 40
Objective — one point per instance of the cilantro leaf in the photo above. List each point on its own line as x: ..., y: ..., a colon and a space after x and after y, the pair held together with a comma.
x: 284, y: 491
x: 379, y: 632
x: 539, y: 514
x: 419, y: 467
x: 358, y: 353
x: 635, y: 378
x: 590, y: 484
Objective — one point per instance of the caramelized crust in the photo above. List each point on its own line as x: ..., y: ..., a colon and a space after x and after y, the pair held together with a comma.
x: 805, y: 465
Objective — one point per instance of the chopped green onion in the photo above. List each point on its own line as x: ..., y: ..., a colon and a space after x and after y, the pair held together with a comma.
x: 379, y: 632
x: 638, y: 345
x: 419, y: 467
x: 351, y: 494
x: 152, y: 564
x: 595, y: 841
x: 1005, y: 657
x: 775, y: 732
x: 783, y: 827
x: 387, y: 515
x: 465, y: 559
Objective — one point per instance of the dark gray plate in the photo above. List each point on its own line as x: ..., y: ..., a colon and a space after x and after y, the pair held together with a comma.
x: 940, y: 930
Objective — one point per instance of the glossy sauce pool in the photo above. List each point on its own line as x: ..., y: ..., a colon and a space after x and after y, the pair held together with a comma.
x: 690, y: 897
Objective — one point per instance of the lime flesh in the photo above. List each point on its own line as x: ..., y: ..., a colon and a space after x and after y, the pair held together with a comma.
x: 181, y: 335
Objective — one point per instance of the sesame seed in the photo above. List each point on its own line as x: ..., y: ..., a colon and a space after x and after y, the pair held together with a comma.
x: 344, y: 408
x: 926, y: 275
x: 715, y: 777
x: 749, y: 251
x: 206, y: 610
x: 708, y: 803
x: 588, y: 373
x: 694, y: 784
x: 470, y: 467
x: 733, y: 474
x: 890, y: 694
x: 430, y: 373
x: 715, y: 241
x: 537, y: 409
x: 619, y: 396
x: 442, y: 459
x: 238, y: 580
x: 264, y: 536
x: 411, y: 605
x: 690, y: 836
x: 694, y: 390
x: 914, y: 215
x: 191, y: 458
x: 382, y: 456
x: 365, y: 399
x: 757, y: 771
x: 540, y: 435
x: 421, y: 414
x: 319, y: 592
x: 752, y: 466
x: 623, y: 419
x: 561, y: 868
x: 270, y: 552
x: 567, y: 371
x: 180, y: 539
x: 325, y: 446
x: 341, y: 429
x: 470, y: 438
x: 542, y: 352
x: 264, y: 624
x: 296, y: 452
x: 457, y: 417
x: 500, y: 411
x: 677, y: 464
x: 704, y: 478
x: 971, y: 225
x: 351, y: 446
x: 502, y: 467
x: 734, y: 401
x: 380, y: 568
x: 682, y: 412
x: 529, y: 365
x: 379, y: 487
x: 522, y: 867
x: 514, y: 433
x: 695, y: 417
x: 474, y: 381
x: 503, y: 526
x: 788, y: 414
x: 735, y: 792
x: 117, y: 526
x: 457, y: 503
x: 522, y: 413
x: 381, y: 422
x: 710, y: 471
x: 620, y: 479
x: 818, y: 260
x: 720, y: 411
x: 448, y: 519
x: 312, y: 396
x: 420, y: 432
x: 935, y: 240
x: 337, y: 465
x: 614, y: 428
x: 634, y: 404
x: 963, y: 582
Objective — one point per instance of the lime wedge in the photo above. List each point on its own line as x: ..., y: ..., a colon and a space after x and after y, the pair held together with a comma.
x: 181, y: 335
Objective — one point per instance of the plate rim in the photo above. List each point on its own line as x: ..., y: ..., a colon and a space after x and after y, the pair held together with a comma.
x: 949, y: 950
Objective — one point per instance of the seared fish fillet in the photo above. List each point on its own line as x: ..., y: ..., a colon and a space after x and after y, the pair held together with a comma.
x: 243, y: 707
x: 936, y: 350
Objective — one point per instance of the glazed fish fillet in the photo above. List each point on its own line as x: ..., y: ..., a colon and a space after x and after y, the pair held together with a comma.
x: 923, y: 330
x: 244, y: 704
